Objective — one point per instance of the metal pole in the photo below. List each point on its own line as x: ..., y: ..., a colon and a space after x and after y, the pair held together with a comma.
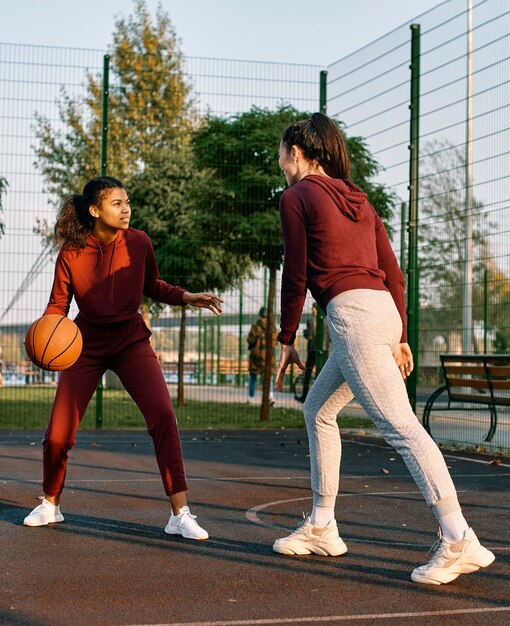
x: 240, y: 339
x: 103, y: 169
x: 485, y: 309
x: 218, y: 350
x: 199, y: 350
x: 104, y: 115
x: 413, y: 286
x: 467, y: 310
x: 265, y: 287
x: 204, y: 363
x: 319, y: 321
x: 403, y: 237
x: 323, y: 99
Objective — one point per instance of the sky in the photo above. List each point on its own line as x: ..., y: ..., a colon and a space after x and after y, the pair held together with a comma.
x: 301, y: 31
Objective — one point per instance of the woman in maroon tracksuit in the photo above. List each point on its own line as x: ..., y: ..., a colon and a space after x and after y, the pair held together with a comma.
x: 107, y: 267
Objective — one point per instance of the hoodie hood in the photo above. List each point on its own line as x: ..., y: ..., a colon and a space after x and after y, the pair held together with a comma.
x: 348, y: 198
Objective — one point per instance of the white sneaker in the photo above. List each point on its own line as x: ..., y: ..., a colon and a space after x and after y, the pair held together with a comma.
x: 309, y: 538
x: 184, y: 524
x: 44, y: 514
x: 450, y: 560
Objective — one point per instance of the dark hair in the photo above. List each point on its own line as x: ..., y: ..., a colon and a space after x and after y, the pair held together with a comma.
x: 263, y: 312
x: 321, y: 140
x: 74, y: 222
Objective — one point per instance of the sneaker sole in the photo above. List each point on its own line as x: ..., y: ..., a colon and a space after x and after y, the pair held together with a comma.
x: 300, y: 550
x: 59, y: 518
x: 177, y: 532
x: 482, y: 558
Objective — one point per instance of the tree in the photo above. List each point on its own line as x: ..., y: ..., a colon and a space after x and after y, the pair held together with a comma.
x: 242, y: 150
x: 149, y: 105
x: 442, y: 239
x: 165, y: 198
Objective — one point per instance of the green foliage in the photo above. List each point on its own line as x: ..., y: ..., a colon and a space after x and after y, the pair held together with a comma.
x: 165, y: 200
x: 243, y: 152
x: 441, y: 232
x: 149, y: 105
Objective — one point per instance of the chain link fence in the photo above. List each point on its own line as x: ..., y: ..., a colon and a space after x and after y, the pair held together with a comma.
x: 51, y: 105
x: 463, y: 193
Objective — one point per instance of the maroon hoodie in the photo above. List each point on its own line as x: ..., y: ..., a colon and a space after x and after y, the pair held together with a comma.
x: 334, y: 241
x: 108, y: 281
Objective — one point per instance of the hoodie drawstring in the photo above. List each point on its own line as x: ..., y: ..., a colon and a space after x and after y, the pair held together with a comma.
x: 111, y: 272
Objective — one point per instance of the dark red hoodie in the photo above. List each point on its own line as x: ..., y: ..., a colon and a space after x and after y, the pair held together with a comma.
x: 334, y: 241
x: 108, y: 281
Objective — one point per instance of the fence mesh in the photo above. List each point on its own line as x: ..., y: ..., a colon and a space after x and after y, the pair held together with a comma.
x: 370, y: 92
x: 51, y: 101
x: 49, y: 93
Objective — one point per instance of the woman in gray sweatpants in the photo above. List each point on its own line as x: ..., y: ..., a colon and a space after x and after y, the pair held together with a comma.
x: 336, y: 246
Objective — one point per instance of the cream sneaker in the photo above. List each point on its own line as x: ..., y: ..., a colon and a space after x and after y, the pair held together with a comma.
x: 308, y: 538
x: 44, y: 514
x: 184, y: 524
x: 450, y: 560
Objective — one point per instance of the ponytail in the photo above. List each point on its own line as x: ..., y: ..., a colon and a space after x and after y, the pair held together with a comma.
x: 322, y: 141
x: 74, y: 221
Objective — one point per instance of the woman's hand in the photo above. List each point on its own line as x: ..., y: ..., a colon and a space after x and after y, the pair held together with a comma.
x: 288, y: 355
x: 404, y: 359
x: 203, y: 300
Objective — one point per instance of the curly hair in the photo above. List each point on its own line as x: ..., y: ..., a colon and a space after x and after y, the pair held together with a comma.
x: 74, y: 222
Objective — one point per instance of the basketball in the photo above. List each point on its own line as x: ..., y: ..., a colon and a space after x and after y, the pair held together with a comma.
x: 53, y: 342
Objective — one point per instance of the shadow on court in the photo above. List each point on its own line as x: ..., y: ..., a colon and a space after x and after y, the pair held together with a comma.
x: 111, y: 563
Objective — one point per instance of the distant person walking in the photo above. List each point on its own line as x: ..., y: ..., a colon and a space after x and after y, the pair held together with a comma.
x: 336, y: 246
x: 310, y: 335
x: 257, y: 341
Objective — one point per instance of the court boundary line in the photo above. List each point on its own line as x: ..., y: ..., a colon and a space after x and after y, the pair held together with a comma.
x: 338, y: 618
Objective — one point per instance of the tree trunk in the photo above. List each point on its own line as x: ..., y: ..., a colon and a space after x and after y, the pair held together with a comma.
x: 268, y: 369
x: 180, y: 366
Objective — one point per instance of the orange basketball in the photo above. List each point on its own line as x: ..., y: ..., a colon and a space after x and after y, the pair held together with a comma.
x: 53, y: 342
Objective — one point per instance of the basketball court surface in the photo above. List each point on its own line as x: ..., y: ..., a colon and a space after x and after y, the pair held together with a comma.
x: 110, y: 562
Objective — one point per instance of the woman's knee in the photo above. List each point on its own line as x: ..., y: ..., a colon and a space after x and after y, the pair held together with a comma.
x: 55, y: 443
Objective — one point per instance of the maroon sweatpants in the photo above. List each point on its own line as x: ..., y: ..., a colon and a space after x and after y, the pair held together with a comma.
x: 124, y: 348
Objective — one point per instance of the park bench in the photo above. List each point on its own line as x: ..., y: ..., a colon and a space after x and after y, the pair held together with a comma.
x: 473, y: 379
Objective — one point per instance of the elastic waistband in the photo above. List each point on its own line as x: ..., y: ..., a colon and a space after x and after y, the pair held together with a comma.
x: 358, y: 294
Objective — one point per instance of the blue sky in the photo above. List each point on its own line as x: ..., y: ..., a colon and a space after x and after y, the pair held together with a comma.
x: 301, y: 31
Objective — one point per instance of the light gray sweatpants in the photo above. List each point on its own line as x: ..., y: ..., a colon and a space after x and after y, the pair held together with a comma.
x: 365, y: 328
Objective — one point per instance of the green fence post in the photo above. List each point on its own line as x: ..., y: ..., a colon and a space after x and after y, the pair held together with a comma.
x: 218, y: 350
x: 413, y: 286
x: 199, y: 347
x: 403, y: 237
x: 240, y: 339
x: 319, y: 322
x: 103, y: 170
x: 204, y: 363
x: 485, y: 309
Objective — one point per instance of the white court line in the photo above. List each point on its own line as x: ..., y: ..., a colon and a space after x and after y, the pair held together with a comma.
x: 465, y: 458
x: 252, y: 516
x: 236, y: 479
x: 447, y: 456
x: 338, y: 618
